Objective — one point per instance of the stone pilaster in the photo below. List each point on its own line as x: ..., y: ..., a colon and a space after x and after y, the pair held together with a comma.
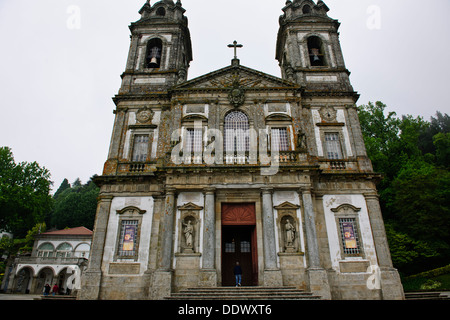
x: 272, y: 274
x: 208, y: 274
x: 391, y: 286
x: 167, y: 227
x: 91, y: 280
x: 318, y: 278
x: 162, y: 278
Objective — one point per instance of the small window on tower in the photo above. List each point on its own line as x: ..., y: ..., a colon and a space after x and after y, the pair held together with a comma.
x: 154, y: 50
x: 306, y: 9
x: 315, y: 49
x: 161, y: 12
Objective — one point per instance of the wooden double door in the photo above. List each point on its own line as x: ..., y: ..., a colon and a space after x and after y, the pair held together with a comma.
x: 239, y: 243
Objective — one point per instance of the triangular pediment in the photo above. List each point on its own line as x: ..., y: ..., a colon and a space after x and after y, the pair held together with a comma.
x: 286, y: 206
x: 225, y: 79
x: 190, y: 206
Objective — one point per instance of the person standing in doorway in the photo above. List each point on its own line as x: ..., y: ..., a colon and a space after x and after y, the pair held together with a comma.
x: 46, y: 289
x: 238, y: 274
x: 55, y: 289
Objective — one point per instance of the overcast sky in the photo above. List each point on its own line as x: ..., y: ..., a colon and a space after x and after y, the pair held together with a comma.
x: 61, y: 60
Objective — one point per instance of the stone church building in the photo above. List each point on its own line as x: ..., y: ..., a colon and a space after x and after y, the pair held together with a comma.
x: 238, y: 165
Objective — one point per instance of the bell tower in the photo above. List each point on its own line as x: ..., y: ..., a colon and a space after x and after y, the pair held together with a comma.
x: 160, y: 50
x: 308, y: 48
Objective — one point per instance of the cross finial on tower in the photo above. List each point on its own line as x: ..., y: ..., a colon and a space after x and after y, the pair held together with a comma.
x: 235, y: 45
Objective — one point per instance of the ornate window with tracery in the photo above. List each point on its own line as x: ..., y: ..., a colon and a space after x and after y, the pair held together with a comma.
x: 236, y: 132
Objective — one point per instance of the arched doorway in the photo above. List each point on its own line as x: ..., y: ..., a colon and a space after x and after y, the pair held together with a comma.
x: 239, y: 243
x: 23, y: 280
x: 44, y: 276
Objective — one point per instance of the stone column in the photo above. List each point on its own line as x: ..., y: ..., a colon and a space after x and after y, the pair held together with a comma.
x: 208, y: 276
x: 116, y: 149
x: 91, y: 280
x: 318, y: 278
x: 158, y: 208
x: 162, y: 280
x: 391, y: 286
x: 310, y: 226
x: 272, y: 274
x: 167, y: 226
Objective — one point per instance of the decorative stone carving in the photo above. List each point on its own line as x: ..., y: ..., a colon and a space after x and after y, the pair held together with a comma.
x: 131, y: 210
x: 237, y: 94
x: 144, y: 115
x: 301, y: 141
x: 328, y: 114
x: 189, y: 218
x: 346, y: 209
x: 288, y: 227
x: 188, y: 232
x: 290, y: 233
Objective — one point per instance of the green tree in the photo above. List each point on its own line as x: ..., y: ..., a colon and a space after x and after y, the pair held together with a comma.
x: 381, y: 135
x: 415, y: 189
x: 421, y: 198
x: 441, y: 141
x: 408, y: 255
x: 76, y: 206
x: 24, y: 194
x: 438, y: 124
x: 64, y: 185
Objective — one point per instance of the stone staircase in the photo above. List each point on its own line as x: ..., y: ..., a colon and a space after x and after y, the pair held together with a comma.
x: 426, y: 296
x: 243, y: 293
x: 57, y: 297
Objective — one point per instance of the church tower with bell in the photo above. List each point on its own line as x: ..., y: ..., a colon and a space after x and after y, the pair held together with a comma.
x: 238, y: 166
x: 160, y: 51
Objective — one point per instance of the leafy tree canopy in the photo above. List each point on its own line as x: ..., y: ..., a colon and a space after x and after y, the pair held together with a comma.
x: 24, y: 194
x: 413, y: 155
x: 75, y: 206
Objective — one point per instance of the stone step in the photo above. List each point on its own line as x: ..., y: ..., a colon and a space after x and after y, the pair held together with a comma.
x: 426, y: 296
x: 243, y: 293
x: 58, y: 297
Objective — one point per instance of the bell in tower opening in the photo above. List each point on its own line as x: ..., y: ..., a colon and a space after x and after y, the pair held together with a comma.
x: 315, y: 51
x: 154, y: 49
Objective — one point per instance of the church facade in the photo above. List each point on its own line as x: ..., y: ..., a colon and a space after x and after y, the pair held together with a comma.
x: 238, y: 166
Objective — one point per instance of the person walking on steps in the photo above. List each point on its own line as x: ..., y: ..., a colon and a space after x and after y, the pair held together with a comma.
x: 238, y: 274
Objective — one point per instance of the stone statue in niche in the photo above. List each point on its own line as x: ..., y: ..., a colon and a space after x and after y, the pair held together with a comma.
x: 188, y: 232
x: 301, y: 141
x: 290, y: 232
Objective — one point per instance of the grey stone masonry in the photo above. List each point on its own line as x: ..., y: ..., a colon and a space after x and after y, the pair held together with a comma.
x: 209, y: 235
x: 270, y: 253
x: 238, y: 165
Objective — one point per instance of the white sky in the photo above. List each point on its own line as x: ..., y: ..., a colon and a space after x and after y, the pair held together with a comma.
x: 57, y: 81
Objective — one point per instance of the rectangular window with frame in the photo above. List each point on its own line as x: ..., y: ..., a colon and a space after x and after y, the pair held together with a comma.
x: 128, y: 238
x: 280, y: 139
x: 194, y: 141
x: 140, y: 148
x: 333, y: 146
x: 349, y: 236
